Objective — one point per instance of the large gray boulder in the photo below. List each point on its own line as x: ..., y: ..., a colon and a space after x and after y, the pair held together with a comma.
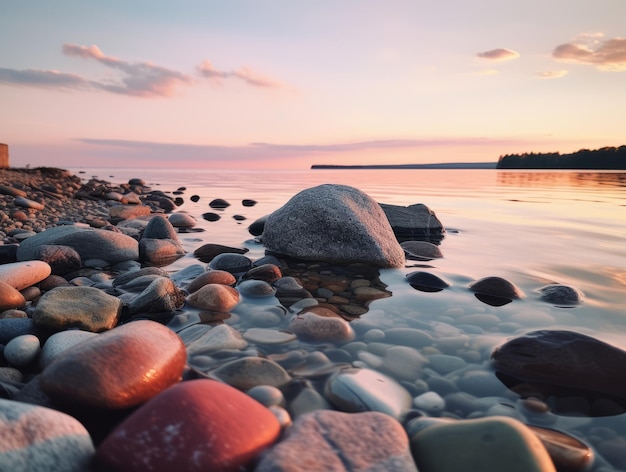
x: 335, y: 223
x: 414, y: 221
x: 90, y: 243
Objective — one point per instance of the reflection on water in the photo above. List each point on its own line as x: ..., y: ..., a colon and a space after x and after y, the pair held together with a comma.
x: 573, y: 179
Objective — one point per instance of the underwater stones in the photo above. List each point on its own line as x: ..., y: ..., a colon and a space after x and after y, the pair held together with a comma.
x: 488, y: 444
x: 357, y: 390
x: 249, y: 372
x: 194, y: 426
x: 319, y: 324
x: 214, y: 297
x: 269, y: 273
x: 426, y: 282
x: 326, y: 440
x: 421, y: 250
x: 211, y: 277
x: 333, y: 223
x: 207, y: 252
x: 495, y: 291
x: 558, y: 360
x: 160, y: 296
x: 560, y: 295
x: 118, y: 369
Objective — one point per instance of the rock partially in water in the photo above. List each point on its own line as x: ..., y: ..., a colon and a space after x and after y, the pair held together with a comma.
x: 560, y: 295
x: 207, y: 252
x: 568, y: 453
x: 426, y: 282
x: 219, y: 203
x: 562, y: 363
x: 331, y: 440
x: 495, y: 291
x: 333, y: 223
x: 414, y: 221
x: 249, y: 372
x: 421, y: 250
x: 317, y: 324
x: 214, y: 297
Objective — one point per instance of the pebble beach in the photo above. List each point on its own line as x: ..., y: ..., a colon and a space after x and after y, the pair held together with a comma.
x: 112, y: 360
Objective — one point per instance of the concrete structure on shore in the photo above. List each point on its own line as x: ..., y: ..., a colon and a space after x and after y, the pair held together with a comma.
x: 4, y: 155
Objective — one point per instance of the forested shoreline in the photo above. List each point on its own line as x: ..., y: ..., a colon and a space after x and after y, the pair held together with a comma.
x: 611, y: 158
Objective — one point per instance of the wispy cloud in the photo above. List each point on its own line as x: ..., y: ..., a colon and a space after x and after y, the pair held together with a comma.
x: 606, y: 55
x: 246, y: 74
x: 552, y: 74
x: 499, y: 54
x: 136, y: 79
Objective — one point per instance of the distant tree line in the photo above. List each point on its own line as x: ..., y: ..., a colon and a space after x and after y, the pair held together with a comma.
x: 603, y: 158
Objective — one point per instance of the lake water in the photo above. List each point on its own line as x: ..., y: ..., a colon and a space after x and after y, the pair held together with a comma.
x: 532, y: 228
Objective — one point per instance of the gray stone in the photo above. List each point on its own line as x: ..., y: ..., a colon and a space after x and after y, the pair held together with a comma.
x: 209, y: 339
x: 414, y: 221
x: 62, y: 259
x: 22, y: 350
x: 84, y: 308
x: 249, y: 372
x: 335, y: 441
x: 421, y: 250
x: 161, y: 296
x: 334, y: 223
x: 34, y: 438
x: 12, y: 327
x: 159, y: 227
x: 90, y: 243
x: 233, y: 263
x: 26, y: 203
x: 182, y: 220
x: 61, y: 342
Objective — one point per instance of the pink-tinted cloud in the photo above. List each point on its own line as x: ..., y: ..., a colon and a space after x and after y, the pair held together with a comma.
x: 500, y: 54
x: 140, y: 79
x: 607, y: 55
x: 245, y: 74
x: 552, y: 74
x: 43, y: 78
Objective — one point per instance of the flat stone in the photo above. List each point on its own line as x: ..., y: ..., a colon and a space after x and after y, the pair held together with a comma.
x: 489, y: 444
x: 90, y: 243
x: 357, y: 390
x: 127, y: 277
x: 249, y: 372
x: 335, y: 223
x: 195, y: 425
x: 255, y: 289
x: 118, y: 369
x: 421, y: 250
x: 160, y: 252
x: 84, y: 308
x: 230, y: 262
x: 159, y: 227
x: 268, y: 336
x: 426, y: 282
x: 495, y: 291
x: 182, y: 220
x: 214, y: 297
x: 35, y: 438
x: 20, y: 275
x: 414, y: 221
x: 326, y: 440
x: 62, y: 259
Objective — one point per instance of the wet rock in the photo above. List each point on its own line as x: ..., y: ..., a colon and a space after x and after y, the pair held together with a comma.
x: 255, y: 289
x: 257, y: 226
x: 127, y: 277
x: 34, y: 438
x: 160, y: 252
x: 357, y: 390
x: 560, y: 295
x: 269, y: 273
x: 249, y: 372
x: 214, y: 297
x: 325, y: 440
x: 118, y: 369
x: 488, y: 444
x: 211, y: 277
x: 233, y: 263
x: 426, y: 282
x: 125, y: 212
x: 219, y: 203
x: 207, y: 252
x: 161, y: 296
x: 333, y: 223
x: 159, y: 227
x: 495, y: 291
x: 421, y: 250
x: 193, y: 426
x: 209, y: 339
x: 568, y: 453
x: 319, y: 324
x: 414, y: 221
x: 559, y: 361
x: 84, y: 308
x: 268, y: 336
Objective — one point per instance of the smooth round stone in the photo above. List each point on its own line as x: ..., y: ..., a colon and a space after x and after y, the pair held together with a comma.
x: 60, y: 342
x: 426, y: 282
x: 560, y: 295
x: 282, y: 415
x: 495, y: 291
x: 430, y: 402
x: 404, y: 362
x: 482, y: 320
x: 489, y: 444
x: 208, y: 339
x: 249, y: 372
x: 210, y: 216
x: 20, y: 275
x: 182, y: 220
x: 219, y: 203
x: 84, y: 308
x: 13, y: 313
x: 194, y: 426
x: 270, y: 273
x: 160, y: 252
x: 138, y: 284
x: 207, y: 252
x: 374, y: 335
x: 233, y: 263
x: 445, y: 364
x: 22, y: 350
x: 421, y: 250
x: 255, y: 289
x: 268, y: 336
x: 10, y: 297
x: 220, y: 277
x: 267, y: 395
x: 62, y: 259
x: 321, y: 325
x: 356, y: 390
x: 118, y: 369
x: 214, y: 297
x: 325, y: 441
x: 247, y: 202
x: 481, y: 383
x: 161, y: 296
x: 411, y: 337
x: 38, y: 439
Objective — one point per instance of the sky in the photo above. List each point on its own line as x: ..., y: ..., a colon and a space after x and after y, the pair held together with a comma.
x: 284, y: 84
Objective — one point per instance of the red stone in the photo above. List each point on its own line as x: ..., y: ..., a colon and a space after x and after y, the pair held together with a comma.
x: 197, y: 425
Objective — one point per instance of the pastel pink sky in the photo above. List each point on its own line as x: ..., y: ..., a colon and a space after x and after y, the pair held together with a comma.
x: 283, y: 84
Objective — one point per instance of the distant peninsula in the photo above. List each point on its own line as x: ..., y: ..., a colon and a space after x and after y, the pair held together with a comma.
x: 606, y: 158
x: 446, y: 165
